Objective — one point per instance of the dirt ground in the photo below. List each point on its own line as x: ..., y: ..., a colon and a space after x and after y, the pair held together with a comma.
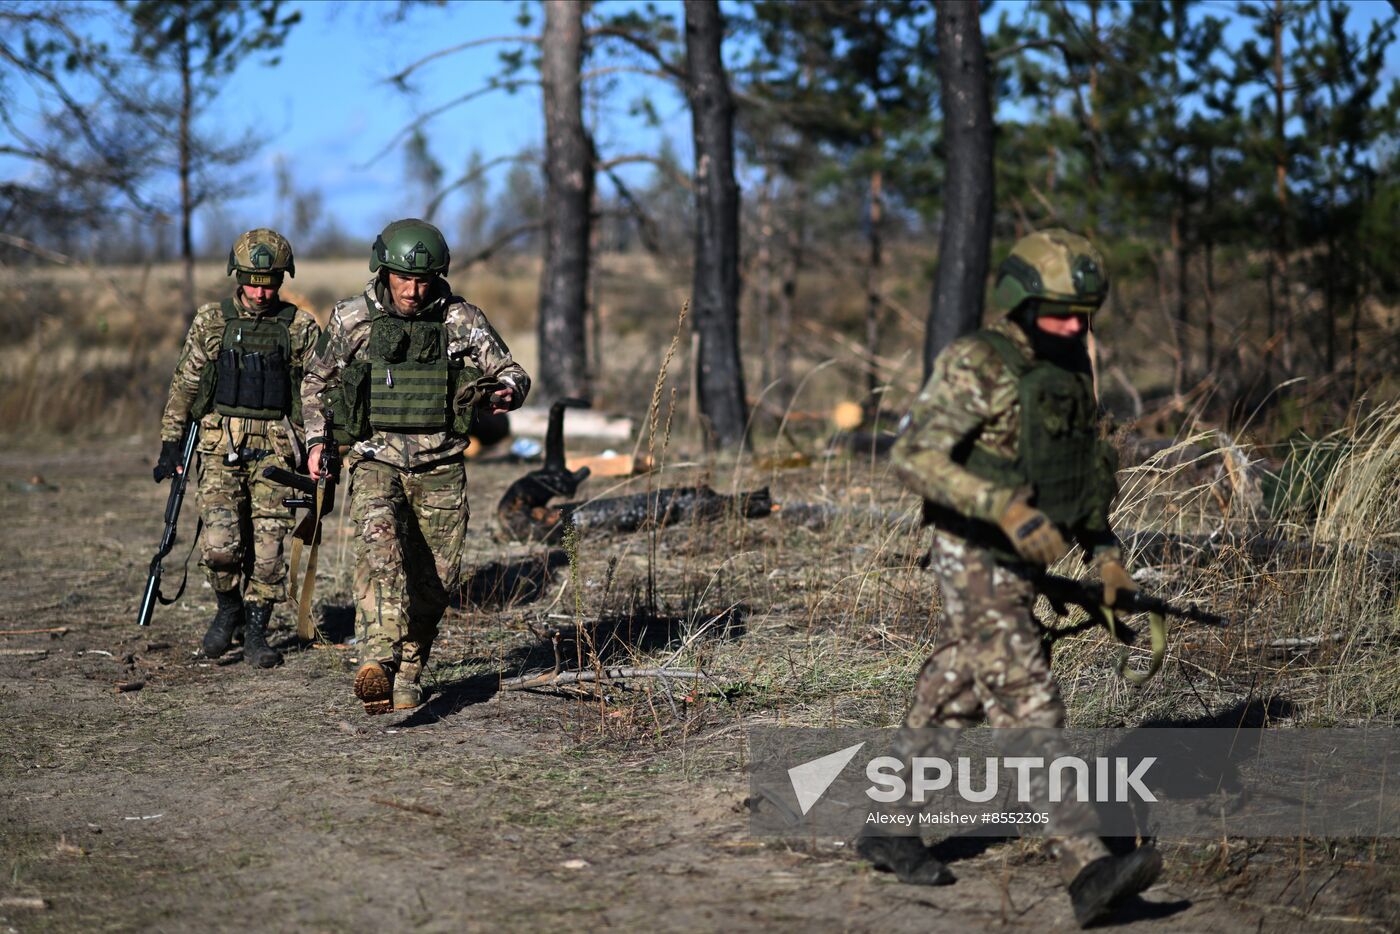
x: 218, y: 797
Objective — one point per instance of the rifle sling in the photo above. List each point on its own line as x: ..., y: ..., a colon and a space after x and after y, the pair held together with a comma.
x: 306, y: 629
x: 184, y: 568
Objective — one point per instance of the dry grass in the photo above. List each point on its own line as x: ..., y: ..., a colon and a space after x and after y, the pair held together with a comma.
x: 842, y: 618
x: 114, y: 333
x: 841, y: 615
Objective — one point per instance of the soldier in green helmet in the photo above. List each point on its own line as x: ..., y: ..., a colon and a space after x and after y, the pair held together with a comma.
x: 405, y: 365
x: 1004, y: 445
x: 239, y: 375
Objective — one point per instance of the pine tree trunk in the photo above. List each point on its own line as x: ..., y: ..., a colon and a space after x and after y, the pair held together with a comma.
x: 563, y: 328
x: 186, y: 195
x: 715, y: 303
x: 1210, y: 262
x: 873, y: 301
x: 794, y: 237
x: 965, y: 241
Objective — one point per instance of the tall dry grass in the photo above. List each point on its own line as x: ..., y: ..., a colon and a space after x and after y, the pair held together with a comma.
x: 112, y: 334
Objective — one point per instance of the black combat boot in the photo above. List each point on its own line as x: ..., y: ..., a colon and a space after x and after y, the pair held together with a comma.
x: 906, y: 857
x: 229, y: 616
x: 255, y: 647
x: 1108, y: 880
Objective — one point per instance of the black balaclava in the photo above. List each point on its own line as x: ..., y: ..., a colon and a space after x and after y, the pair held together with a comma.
x: 1070, y: 353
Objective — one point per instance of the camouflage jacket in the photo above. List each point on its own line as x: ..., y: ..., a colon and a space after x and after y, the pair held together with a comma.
x: 202, y: 346
x: 470, y: 338
x: 971, y: 398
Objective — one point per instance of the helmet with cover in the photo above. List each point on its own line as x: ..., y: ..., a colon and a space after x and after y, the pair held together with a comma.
x: 260, y: 257
x: 411, y: 247
x: 1052, y: 272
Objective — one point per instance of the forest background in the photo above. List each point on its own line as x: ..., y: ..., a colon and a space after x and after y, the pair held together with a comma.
x: 1236, y: 162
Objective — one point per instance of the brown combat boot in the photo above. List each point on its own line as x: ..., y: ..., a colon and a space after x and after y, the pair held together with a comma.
x: 373, y: 686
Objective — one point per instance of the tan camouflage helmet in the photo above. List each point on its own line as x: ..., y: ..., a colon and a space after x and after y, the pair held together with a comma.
x: 260, y: 257
x: 1061, y: 272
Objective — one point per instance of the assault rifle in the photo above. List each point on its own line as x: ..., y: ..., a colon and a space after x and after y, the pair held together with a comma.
x: 1064, y: 592
x: 168, y: 535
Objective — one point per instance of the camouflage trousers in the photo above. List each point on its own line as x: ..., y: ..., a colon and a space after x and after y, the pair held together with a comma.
x: 245, y: 524
x: 991, y: 663
x: 411, y: 526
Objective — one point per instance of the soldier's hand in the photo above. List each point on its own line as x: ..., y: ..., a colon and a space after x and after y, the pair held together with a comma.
x: 1116, y: 581
x: 168, y: 464
x: 501, y: 401
x: 1032, y: 533
x: 314, y: 467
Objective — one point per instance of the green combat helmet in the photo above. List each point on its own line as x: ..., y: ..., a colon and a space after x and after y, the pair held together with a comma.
x: 1061, y: 272
x: 260, y: 257
x: 412, y: 247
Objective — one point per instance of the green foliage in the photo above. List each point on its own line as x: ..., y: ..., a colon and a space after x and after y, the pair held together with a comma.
x: 215, y: 34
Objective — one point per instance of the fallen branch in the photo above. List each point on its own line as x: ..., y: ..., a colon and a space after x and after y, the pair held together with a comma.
x: 24, y: 653
x: 1306, y: 642
x: 550, y: 678
x: 60, y: 630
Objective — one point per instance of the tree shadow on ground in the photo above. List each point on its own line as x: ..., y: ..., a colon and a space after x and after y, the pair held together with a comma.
x: 503, y: 584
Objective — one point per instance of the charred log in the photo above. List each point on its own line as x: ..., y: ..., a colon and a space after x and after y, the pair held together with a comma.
x: 525, y: 514
x: 624, y: 514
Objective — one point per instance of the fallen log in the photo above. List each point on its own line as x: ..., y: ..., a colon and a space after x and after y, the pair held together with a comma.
x: 546, y: 679
x: 526, y: 515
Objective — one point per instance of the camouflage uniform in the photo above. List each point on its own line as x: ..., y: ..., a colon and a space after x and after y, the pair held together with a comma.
x: 992, y: 661
x: 408, y: 492
x: 244, y: 519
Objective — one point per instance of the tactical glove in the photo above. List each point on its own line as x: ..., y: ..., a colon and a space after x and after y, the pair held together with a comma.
x: 168, y: 464
x: 1116, y: 580
x: 1033, y: 535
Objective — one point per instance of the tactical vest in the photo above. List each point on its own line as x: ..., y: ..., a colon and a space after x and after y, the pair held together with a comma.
x: 405, y: 382
x: 1058, y: 454
x: 252, y: 375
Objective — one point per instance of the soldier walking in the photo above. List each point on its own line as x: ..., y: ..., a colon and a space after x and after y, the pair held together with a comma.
x: 405, y: 364
x: 238, y: 375
x: 1003, y: 444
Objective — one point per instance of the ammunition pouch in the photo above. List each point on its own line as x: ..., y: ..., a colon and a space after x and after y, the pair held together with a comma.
x: 251, y: 377
x: 406, y: 383
x: 354, y: 403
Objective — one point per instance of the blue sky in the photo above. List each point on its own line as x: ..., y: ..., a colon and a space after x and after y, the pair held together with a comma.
x: 329, y: 109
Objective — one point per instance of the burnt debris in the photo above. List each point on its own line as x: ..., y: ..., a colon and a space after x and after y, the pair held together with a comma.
x: 526, y: 515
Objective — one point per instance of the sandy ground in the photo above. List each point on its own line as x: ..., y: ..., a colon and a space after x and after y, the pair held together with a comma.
x: 217, y: 797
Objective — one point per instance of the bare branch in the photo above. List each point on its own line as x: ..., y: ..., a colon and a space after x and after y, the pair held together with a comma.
x: 550, y: 679
x: 473, y: 175
x: 399, y: 77
x: 666, y: 167
x: 1010, y: 50
x: 417, y: 122
x: 626, y: 70
x: 491, y: 248
x: 29, y: 246
x: 645, y: 225
x: 643, y: 45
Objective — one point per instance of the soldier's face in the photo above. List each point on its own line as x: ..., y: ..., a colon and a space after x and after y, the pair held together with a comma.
x: 259, y: 296
x: 1062, y: 325
x: 408, y: 292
